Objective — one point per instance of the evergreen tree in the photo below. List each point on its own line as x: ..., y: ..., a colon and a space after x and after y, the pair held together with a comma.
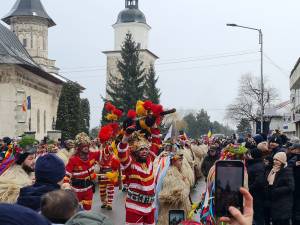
x: 85, y: 115
x: 68, y: 112
x: 151, y: 91
x: 203, y: 121
x: 94, y: 132
x: 244, y: 127
x: 127, y: 88
x: 192, y: 126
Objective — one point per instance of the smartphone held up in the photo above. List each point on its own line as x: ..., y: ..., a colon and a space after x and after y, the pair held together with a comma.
x: 229, y: 179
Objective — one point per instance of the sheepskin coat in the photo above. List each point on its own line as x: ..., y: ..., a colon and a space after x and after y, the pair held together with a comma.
x: 11, y: 181
x: 174, y: 195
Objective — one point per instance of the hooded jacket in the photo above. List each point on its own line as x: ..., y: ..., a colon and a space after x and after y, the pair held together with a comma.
x: 31, y: 196
x: 88, y: 218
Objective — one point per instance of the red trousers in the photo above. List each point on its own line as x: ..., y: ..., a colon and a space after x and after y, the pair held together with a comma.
x: 86, y: 198
x: 136, y: 219
x: 107, y: 190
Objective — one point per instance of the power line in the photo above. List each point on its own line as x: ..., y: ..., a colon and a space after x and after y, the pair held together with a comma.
x: 271, y: 61
x: 178, y: 69
x: 175, y: 61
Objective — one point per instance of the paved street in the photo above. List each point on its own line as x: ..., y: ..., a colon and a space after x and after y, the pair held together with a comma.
x: 118, y: 212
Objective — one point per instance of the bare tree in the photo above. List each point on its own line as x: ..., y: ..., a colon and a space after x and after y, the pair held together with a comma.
x: 247, y: 103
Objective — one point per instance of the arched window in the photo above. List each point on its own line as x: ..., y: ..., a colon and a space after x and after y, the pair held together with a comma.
x: 38, y: 121
x: 45, y: 124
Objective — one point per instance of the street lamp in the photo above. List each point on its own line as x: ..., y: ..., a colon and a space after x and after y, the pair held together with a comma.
x: 261, y: 68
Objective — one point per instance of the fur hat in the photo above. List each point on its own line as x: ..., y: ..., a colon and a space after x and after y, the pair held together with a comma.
x: 82, y: 139
x: 176, y: 156
x: 281, y: 157
x: 138, y: 142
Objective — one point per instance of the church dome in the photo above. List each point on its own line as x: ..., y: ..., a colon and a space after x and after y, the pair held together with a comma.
x: 129, y: 15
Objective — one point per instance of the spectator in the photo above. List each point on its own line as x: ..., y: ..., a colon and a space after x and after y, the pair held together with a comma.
x: 256, y: 182
x: 49, y: 174
x: 209, y: 160
x: 275, y: 146
x: 59, y: 206
x: 295, y: 164
x: 280, y: 189
x: 19, y: 215
x: 88, y: 218
x: 17, y: 175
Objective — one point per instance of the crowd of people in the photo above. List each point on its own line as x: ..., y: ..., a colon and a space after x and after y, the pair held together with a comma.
x: 55, y: 182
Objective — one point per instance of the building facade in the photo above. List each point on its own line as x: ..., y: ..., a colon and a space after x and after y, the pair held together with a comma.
x: 29, y: 82
x: 132, y: 20
x: 295, y: 96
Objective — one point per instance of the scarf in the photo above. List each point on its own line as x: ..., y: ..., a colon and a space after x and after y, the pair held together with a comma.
x: 272, y: 174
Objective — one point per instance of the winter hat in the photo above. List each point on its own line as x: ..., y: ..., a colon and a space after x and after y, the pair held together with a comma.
x: 50, y: 169
x: 19, y: 215
x: 276, y: 139
x: 296, y: 145
x: 7, y: 140
x: 281, y: 157
x: 255, y: 153
x: 258, y: 138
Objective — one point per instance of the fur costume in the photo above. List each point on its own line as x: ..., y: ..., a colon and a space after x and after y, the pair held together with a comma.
x: 174, y: 195
x: 186, y: 169
x: 65, y: 155
x: 188, y: 165
x: 11, y: 181
x: 199, y: 151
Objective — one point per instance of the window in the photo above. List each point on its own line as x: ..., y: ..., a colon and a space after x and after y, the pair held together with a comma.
x: 38, y: 121
x: 31, y: 41
x: 45, y: 124
x: 25, y: 43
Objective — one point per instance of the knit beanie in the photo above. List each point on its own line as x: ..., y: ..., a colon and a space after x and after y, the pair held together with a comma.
x: 258, y: 138
x: 281, y: 157
x: 19, y: 215
x: 50, y: 169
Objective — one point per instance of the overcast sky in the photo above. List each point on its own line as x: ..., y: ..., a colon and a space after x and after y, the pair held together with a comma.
x: 201, y: 60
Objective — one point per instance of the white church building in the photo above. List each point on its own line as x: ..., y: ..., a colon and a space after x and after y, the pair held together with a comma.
x: 29, y: 82
x: 132, y: 20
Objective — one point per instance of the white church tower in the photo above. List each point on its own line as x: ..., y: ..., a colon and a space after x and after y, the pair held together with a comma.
x: 132, y: 20
x: 29, y: 20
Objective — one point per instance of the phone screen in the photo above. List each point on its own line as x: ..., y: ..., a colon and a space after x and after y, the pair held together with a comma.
x: 175, y: 217
x: 229, y: 180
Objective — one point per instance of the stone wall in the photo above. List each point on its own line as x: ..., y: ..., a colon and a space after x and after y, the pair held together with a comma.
x: 18, y: 84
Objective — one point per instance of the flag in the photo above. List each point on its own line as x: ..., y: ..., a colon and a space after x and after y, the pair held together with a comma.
x: 29, y: 102
x: 209, y: 134
x: 169, y: 134
x: 24, y: 106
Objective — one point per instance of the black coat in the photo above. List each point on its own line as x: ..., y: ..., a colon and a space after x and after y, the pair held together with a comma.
x: 296, y: 169
x: 279, y: 196
x: 207, y: 163
x: 31, y: 196
x: 256, y: 180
